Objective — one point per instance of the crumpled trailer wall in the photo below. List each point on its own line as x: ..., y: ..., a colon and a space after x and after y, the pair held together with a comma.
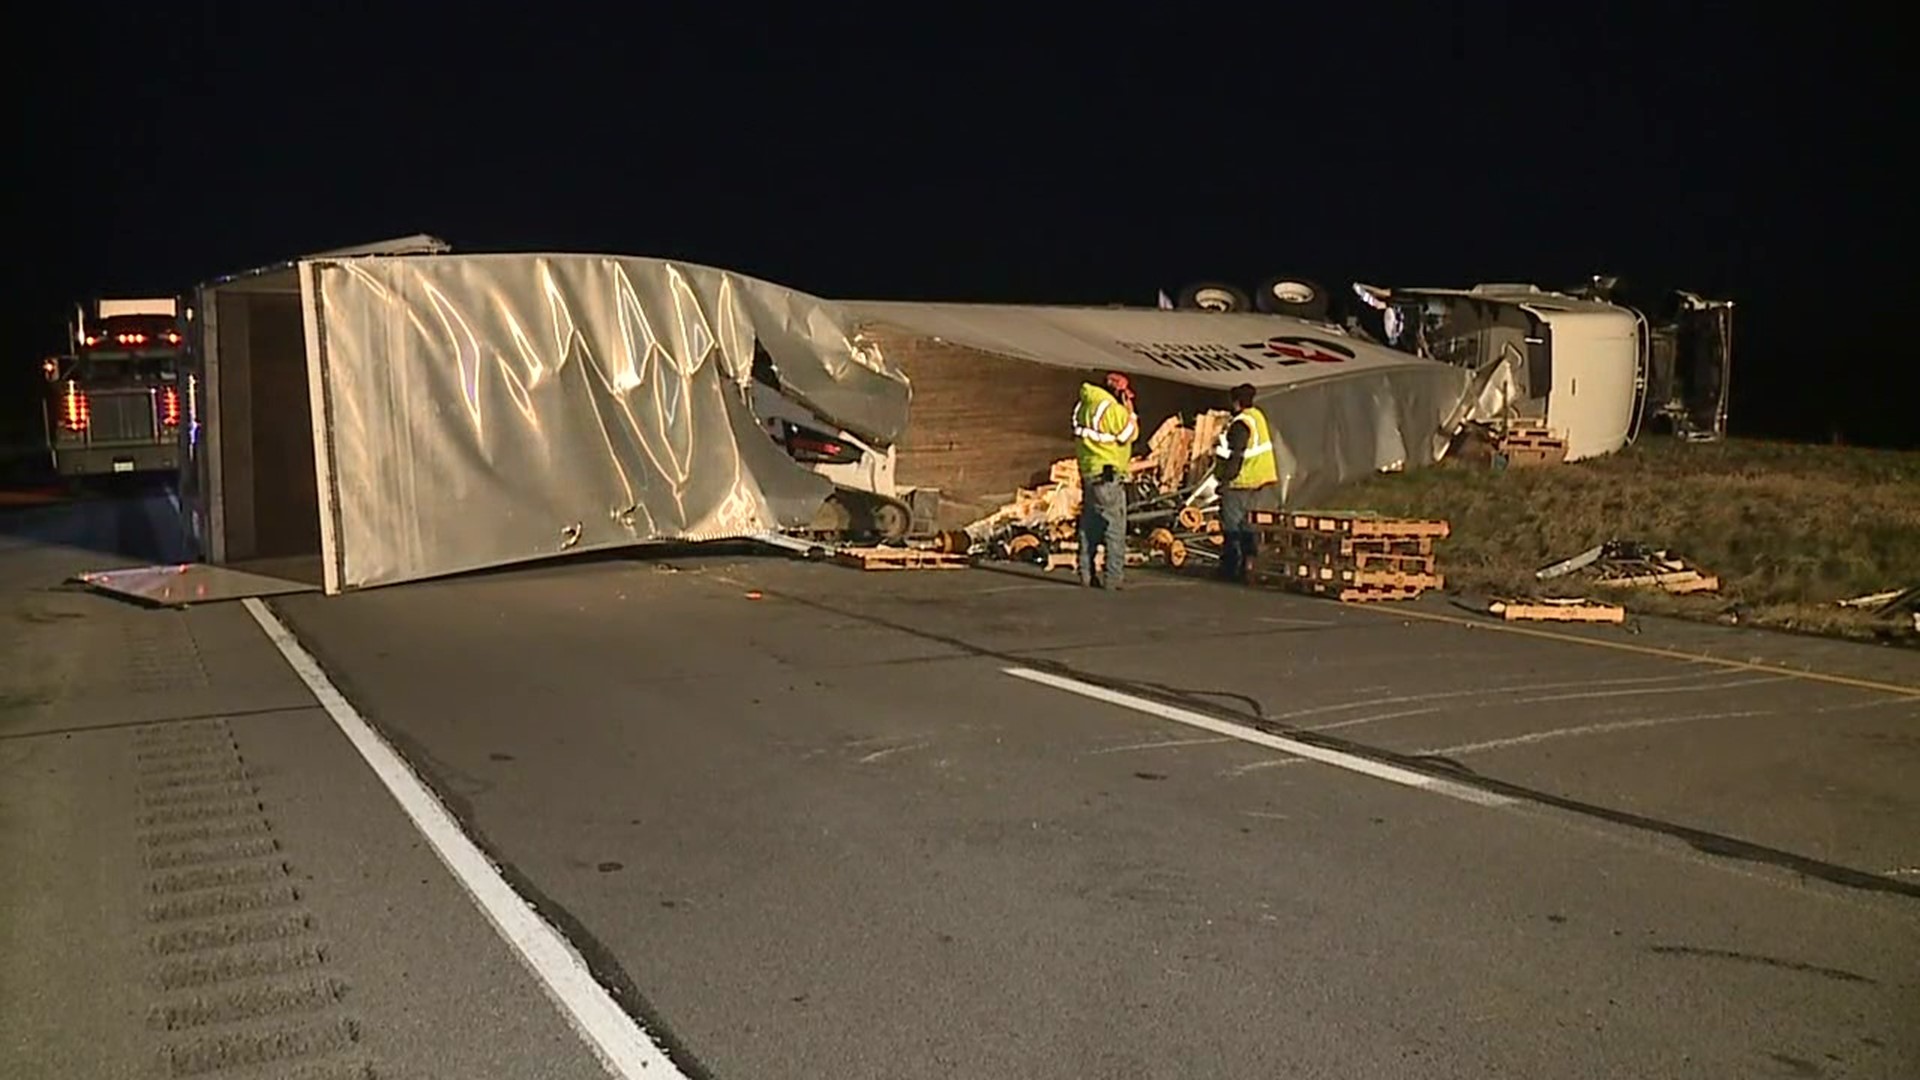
x: 472, y: 411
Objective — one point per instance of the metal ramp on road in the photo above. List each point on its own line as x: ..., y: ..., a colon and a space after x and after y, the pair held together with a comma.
x: 186, y: 584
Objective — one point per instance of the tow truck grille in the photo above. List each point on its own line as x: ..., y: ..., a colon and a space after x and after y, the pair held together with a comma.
x: 121, y: 416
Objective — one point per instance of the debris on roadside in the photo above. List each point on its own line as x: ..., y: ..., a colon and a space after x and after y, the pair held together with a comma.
x: 1630, y: 564
x: 1571, y: 609
x: 899, y: 558
x: 1890, y: 605
x: 1351, y: 556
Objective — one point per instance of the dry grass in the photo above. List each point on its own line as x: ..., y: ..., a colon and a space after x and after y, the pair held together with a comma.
x: 1789, y: 529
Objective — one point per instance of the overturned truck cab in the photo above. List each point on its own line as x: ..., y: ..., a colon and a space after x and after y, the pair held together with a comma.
x: 1566, y: 363
x: 1595, y: 364
x: 1689, y: 355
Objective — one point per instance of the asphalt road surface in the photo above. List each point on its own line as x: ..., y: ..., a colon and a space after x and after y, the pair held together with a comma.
x: 802, y: 821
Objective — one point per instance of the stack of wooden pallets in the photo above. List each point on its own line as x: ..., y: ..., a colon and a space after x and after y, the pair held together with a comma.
x: 1524, y: 446
x: 1353, y: 557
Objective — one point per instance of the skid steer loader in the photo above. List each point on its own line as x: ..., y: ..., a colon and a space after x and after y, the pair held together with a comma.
x: 865, y: 503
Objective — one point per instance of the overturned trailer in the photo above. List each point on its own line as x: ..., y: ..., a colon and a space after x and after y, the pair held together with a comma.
x: 389, y: 414
x: 399, y: 412
x: 995, y: 385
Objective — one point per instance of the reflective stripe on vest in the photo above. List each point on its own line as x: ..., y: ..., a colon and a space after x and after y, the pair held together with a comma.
x: 1259, y: 465
x: 1253, y: 450
x: 1097, y: 449
x: 1091, y: 429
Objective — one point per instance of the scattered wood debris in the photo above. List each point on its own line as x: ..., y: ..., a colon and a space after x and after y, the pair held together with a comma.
x: 1576, y: 609
x: 1896, y: 605
x: 1628, y: 564
x: 898, y: 558
x: 1165, y: 486
x: 1056, y: 501
x: 1891, y: 602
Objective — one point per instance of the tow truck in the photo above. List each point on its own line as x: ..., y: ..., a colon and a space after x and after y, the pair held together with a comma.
x: 115, y: 404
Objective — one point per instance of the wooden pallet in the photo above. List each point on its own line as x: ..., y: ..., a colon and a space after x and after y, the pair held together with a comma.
x: 1357, y: 526
x: 1321, y: 547
x: 1408, y: 555
x: 893, y: 558
x: 1532, y: 438
x: 1522, y: 447
x: 1557, y: 611
x: 1067, y: 557
x: 1346, y: 592
x: 1404, y: 564
x: 1526, y: 457
x: 1350, y: 576
x: 1376, y: 595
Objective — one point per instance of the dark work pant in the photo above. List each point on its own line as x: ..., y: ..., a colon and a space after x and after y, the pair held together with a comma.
x: 1238, y: 541
x: 1103, y: 520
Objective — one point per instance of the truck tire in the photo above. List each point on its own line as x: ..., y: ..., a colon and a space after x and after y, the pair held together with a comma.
x: 853, y: 513
x: 1292, y: 296
x: 892, y: 520
x: 1214, y: 296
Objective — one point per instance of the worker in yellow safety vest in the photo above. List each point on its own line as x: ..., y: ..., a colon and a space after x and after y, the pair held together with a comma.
x: 1248, y: 474
x: 1104, y: 427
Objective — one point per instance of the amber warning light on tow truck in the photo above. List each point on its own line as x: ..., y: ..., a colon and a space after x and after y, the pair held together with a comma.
x: 171, y: 337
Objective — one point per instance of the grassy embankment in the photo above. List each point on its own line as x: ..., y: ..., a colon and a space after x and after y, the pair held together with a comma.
x: 1789, y: 529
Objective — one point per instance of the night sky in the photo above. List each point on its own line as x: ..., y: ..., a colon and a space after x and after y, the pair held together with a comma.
x: 1023, y: 157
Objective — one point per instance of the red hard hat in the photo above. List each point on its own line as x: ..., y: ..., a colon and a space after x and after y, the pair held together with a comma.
x: 1118, y: 383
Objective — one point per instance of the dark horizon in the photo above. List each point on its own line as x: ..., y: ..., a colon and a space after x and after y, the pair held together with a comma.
x: 1092, y: 162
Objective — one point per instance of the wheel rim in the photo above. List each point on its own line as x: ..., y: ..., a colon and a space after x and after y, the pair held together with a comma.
x: 1214, y: 299
x: 890, y: 519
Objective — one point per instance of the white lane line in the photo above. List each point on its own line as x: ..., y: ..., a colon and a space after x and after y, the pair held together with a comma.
x: 1268, y: 763
x: 1874, y: 704
x: 1491, y: 691
x: 1644, y: 691
x: 888, y: 752
x: 1336, y: 758
x: 1163, y: 744
x: 1374, y: 719
x: 1588, y: 729
x: 626, y: 1051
